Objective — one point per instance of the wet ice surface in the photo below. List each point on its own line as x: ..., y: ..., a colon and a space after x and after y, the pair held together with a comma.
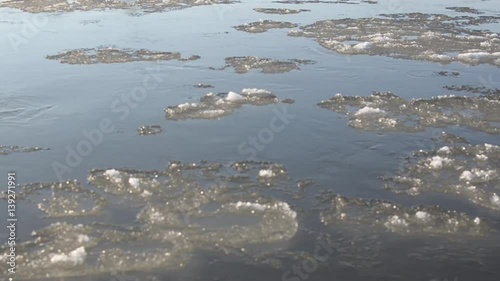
x: 175, y: 202
x: 417, y: 36
x: 468, y: 171
x: 279, y: 11
x: 393, y: 218
x: 245, y: 64
x: 215, y: 106
x: 36, y: 6
x: 388, y: 112
x: 264, y: 25
x: 114, y: 55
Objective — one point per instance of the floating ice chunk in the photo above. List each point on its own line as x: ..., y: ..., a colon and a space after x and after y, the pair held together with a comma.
x: 266, y: 173
x: 370, y: 110
x: 255, y: 91
x: 478, y: 57
x: 76, y: 257
x: 232, y: 96
x: 437, y: 162
x: 363, y: 46
x: 113, y: 175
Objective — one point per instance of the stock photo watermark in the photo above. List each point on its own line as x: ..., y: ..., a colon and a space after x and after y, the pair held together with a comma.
x: 31, y: 27
x: 303, y: 270
x: 264, y: 136
x: 94, y: 137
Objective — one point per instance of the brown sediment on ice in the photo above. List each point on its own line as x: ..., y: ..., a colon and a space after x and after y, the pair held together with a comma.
x: 264, y: 25
x: 151, y: 6
x: 115, y: 55
x: 388, y: 112
x: 8, y: 149
x: 467, y: 10
x: 473, y: 89
x: 215, y: 106
x: 416, y: 36
x: 280, y: 11
x: 245, y: 64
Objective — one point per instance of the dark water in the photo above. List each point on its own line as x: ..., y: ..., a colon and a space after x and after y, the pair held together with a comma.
x: 44, y: 103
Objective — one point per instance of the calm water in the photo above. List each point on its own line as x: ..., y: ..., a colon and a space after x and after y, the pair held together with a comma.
x: 55, y: 102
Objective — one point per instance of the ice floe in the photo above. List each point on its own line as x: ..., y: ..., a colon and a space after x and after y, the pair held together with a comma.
x: 115, y: 55
x: 215, y: 106
x: 387, y: 216
x: 147, y: 130
x: 280, y: 11
x: 149, y: 6
x: 388, y: 112
x: 470, y: 172
x: 264, y: 25
x: 245, y: 64
x: 417, y: 36
x: 8, y: 149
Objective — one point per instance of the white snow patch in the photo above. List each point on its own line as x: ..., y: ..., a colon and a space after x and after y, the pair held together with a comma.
x: 82, y: 238
x: 370, y: 110
x: 113, y: 175
x: 437, y: 162
x: 75, y: 257
x: 445, y: 150
x: 254, y: 91
x: 363, y: 46
x: 266, y: 173
x: 134, y: 182
x: 232, y: 96
x: 421, y: 215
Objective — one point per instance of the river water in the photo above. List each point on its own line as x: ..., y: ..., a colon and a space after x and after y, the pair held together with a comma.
x: 354, y: 140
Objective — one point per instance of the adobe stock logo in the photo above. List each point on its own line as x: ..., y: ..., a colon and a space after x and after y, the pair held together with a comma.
x: 30, y: 28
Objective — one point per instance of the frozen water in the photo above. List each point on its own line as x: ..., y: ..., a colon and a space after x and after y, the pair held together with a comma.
x: 388, y: 112
x: 245, y: 64
x: 8, y: 149
x: 280, y: 11
x: 114, y: 55
x: 215, y: 106
x: 456, y: 170
x: 264, y: 25
x: 394, y: 218
x: 146, y: 130
x: 435, y: 37
x: 150, y: 6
